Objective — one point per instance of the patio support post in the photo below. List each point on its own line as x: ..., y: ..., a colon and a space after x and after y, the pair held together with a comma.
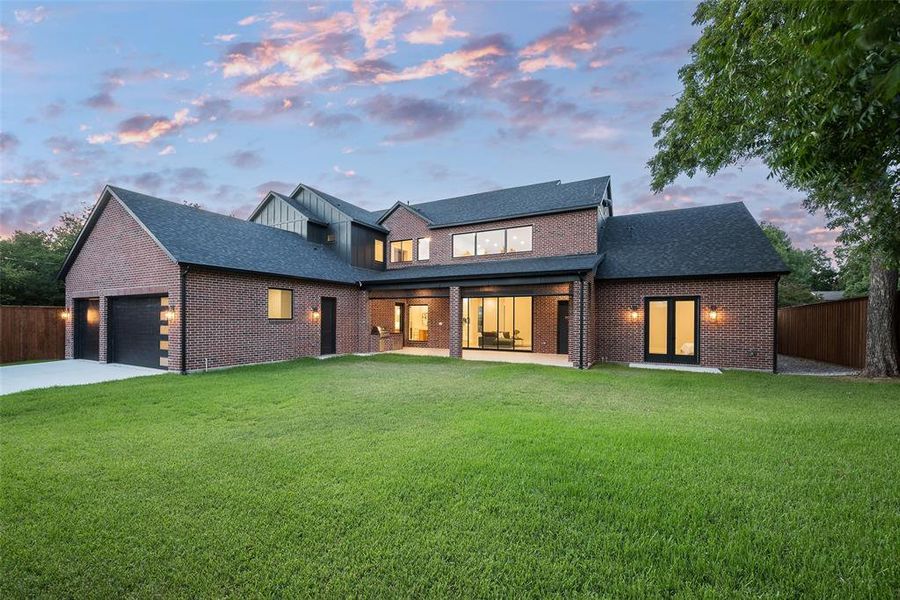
x: 455, y: 322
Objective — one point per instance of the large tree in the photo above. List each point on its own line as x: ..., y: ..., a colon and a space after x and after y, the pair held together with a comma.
x: 811, y: 89
x: 30, y: 261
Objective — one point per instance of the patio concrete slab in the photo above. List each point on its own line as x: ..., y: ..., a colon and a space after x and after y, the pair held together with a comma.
x: 18, y: 378
x: 530, y: 358
x: 668, y: 367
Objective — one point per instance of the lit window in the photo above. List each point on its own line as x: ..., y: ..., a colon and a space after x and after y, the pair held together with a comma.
x: 401, y: 251
x: 379, y: 250
x: 518, y: 239
x: 490, y: 242
x: 398, y: 318
x: 329, y: 238
x: 424, y: 248
x: 281, y: 304
x: 463, y: 245
x: 418, y: 323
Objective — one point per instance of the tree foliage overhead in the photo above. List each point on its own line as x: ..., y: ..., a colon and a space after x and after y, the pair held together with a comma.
x: 30, y: 261
x: 809, y: 87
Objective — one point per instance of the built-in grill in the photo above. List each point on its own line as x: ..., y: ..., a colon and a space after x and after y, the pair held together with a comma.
x: 381, y: 338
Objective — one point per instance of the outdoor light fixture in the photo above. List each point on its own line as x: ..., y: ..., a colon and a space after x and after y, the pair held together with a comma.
x: 634, y: 312
x: 170, y: 313
x: 314, y: 312
x: 713, y: 313
x: 64, y: 314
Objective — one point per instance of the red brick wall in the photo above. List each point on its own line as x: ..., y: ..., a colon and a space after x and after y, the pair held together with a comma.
x: 228, y: 324
x: 119, y: 258
x: 553, y: 235
x: 742, y: 336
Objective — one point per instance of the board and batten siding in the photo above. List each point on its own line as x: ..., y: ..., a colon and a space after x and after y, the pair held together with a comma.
x: 280, y: 214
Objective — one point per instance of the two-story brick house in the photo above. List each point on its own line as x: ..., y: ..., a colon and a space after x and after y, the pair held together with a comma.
x: 541, y: 269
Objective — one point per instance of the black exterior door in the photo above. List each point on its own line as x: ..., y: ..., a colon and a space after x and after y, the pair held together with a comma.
x: 87, y: 328
x: 134, y: 331
x: 329, y: 326
x: 672, y: 329
x: 562, y: 327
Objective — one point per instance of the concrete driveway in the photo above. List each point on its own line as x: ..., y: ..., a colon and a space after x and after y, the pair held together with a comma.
x: 17, y: 378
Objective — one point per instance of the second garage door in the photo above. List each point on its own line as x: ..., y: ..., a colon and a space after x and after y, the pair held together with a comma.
x: 138, y: 331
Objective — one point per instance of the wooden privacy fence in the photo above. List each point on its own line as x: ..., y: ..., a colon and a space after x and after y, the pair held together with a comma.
x: 31, y: 333
x: 833, y: 332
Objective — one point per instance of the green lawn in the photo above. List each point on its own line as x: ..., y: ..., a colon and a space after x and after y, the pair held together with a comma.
x: 399, y: 476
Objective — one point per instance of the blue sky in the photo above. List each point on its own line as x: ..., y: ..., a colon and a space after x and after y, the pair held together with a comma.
x: 218, y: 102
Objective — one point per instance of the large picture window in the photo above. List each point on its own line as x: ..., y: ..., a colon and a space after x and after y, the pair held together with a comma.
x: 281, y: 304
x: 493, y: 241
x: 498, y: 323
x: 418, y: 323
x: 401, y: 251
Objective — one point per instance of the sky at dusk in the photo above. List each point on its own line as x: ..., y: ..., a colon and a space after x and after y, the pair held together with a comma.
x: 217, y: 103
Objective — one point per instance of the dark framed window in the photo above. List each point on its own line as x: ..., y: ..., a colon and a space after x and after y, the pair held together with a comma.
x: 379, y: 251
x: 672, y: 329
x: 424, y: 249
x: 493, y: 241
x: 401, y: 251
x: 463, y: 245
x: 418, y: 323
x: 398, y: 318
x: 281, y: 304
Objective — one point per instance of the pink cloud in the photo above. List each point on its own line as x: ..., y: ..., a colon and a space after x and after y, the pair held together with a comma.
x: 588, y: 24
x: 142, y: 129
x: 225, y: 37
x: 376, y: 26
x: 471, y: 60
x: 441, y: 29
x: 345, y: 173
x: 250, y: 20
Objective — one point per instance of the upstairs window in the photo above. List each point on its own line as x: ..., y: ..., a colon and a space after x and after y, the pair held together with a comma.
x: 490, y: 242
x: 463, y: 245
x: 401, y: 251
x: 379, y: 251
x: 424, y: 248
x: 518, y: 239
x: 493, y: 241
x: 281, y: 304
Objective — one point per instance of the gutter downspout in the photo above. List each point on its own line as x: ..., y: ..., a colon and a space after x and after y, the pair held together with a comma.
x: 775, y: 324
x: 184, y: 272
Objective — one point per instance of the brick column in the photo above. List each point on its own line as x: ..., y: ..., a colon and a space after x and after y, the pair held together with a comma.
x: 455, y: 323
x: 70, y: 327
x: 576, y: 349
x: 104, y: 316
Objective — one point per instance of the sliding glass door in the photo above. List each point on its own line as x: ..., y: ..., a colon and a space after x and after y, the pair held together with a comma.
x: 672, y: 329
x: 497, y: 323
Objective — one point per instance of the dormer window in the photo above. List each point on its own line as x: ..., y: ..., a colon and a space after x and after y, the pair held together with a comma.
x: 379, y: 251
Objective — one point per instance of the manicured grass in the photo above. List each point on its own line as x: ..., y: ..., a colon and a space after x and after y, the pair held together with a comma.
x: 396, y: 476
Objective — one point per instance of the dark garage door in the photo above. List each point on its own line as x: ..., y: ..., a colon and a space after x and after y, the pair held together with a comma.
x: 138, y: 331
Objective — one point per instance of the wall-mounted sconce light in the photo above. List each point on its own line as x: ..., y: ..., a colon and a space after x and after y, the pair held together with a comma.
x: 170, y: 313
x: 314, y: 314
x: 713, y: 313
x: 633, y: 313
x: 64, y: 313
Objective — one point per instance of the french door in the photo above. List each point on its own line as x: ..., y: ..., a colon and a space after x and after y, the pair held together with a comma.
x: 672, y: 329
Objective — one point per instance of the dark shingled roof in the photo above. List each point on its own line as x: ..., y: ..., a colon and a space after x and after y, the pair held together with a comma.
x: 300, y: 209
x: 199, y: 237
x: 723, y: 239
x: 580, y: 263
x: 356, y: 213
x: 539, y: 198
